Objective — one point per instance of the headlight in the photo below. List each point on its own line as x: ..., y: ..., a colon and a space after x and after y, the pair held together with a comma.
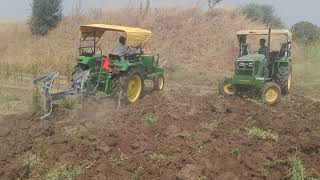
x: 242, y: 64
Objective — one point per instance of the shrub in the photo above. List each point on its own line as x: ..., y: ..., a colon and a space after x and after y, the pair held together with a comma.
x: 265, y: 13
x: 306, y: 32
x: 45, y: 16
x: 213, y: 3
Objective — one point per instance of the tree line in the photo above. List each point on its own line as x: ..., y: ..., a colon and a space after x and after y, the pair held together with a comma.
x: 303, y: 31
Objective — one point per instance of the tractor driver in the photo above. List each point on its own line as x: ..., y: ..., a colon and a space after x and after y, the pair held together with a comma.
x: 263, y: 48
x: 121, y: 48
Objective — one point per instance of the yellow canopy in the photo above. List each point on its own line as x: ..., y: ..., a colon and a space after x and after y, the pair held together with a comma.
x: 266, y: 32
x: 135, y: 36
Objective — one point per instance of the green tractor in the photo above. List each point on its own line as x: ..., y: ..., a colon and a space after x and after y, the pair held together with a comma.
x: 112, y: 74
x: 267, y: 73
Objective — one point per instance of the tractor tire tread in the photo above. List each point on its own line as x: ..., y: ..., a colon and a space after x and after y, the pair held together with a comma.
x: 282, y: 78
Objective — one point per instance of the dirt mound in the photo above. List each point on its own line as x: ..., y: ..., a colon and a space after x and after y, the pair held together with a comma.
x: 188, y: 38
x: 182, y: 133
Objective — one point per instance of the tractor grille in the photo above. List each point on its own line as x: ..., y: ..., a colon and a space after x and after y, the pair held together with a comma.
x: 244, y: 68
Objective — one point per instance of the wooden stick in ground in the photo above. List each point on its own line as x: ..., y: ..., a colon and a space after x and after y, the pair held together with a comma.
x: 91, y: 164
x: 35, y: 116
x: 249, y: 118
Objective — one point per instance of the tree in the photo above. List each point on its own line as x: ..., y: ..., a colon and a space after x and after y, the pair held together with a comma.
x: 144, y: 10
x: 213, y: 3
x: 306, y: 31
x: 148, y: 6
x: 265, y: 13
x: 45, y: 16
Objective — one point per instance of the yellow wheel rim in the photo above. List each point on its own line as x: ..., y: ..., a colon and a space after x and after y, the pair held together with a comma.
x: 289, y: 79
x: 134, y: 88
x: 161, y: 82
x: 271, y: 95
x: 229, y: 89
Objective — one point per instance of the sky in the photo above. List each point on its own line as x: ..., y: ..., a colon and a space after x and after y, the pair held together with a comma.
x: 290, y: 11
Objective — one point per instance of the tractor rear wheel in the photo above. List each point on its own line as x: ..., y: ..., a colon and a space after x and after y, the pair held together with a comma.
x: 158, y: 83
x: 284, y: 78
x: 226, y: 88
x: 271, y: 93
x: 133, y: 84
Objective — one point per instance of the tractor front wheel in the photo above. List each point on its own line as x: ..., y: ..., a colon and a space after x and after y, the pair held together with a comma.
x: 271, y: 93
x: 226, y: 88
x: 133, y: 85
x: 158, y: 83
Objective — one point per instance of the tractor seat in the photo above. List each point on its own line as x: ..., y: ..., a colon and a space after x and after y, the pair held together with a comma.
x: 114, y: 57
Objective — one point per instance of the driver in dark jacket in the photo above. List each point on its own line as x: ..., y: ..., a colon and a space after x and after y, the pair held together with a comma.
x: 263, y: 49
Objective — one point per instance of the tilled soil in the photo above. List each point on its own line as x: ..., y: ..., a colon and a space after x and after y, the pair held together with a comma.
x: 181, y: 133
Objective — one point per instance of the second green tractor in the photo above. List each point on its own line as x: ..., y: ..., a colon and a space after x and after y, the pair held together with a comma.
x: 268, y: 74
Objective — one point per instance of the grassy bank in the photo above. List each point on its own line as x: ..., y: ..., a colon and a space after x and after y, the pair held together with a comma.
x: 191, y: 38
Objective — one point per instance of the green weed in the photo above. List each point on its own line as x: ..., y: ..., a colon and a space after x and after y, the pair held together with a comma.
x: 236, y: 152
x: 136, y: 173
x: 158, y: 157
x: 34, y: 160
x: 62, y: 173
x: 150, y: 118
x: 123, y: 157
x: 35, y: 165
x: 202, y: 178
x: 36, y: 100
x: 261, y: 134
x: 70, y: 131
x: 297, y: 170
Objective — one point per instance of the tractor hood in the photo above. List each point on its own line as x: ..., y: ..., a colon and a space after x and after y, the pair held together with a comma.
x: 252, y: 57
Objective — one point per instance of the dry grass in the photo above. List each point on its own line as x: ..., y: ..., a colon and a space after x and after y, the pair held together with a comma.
x: 196, y: 44
x: 189, y: 37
